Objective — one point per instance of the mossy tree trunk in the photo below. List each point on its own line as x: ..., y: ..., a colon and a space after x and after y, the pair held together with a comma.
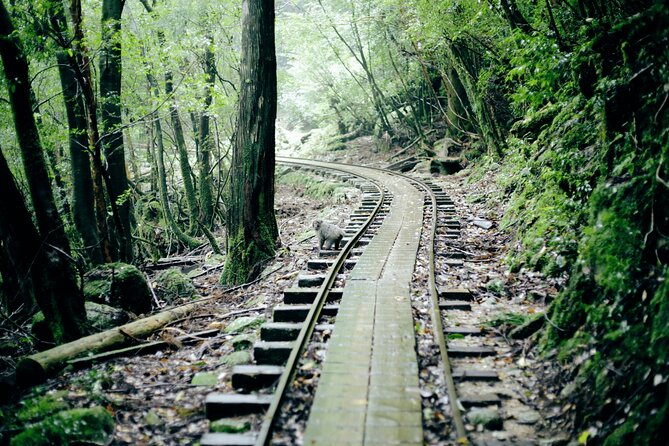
x: 252, y: 228
x: 112, y: 138
x: 56, y: 287
x: 160, y: 153
x: 82, y: 69
x: 82, y: 181
x: 186, y: 171
x: 204, y: 138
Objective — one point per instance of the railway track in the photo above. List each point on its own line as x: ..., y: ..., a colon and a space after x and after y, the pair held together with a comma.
x: 338, y: 363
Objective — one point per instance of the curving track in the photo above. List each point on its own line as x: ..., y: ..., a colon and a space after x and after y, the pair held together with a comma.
x: 368, y: 389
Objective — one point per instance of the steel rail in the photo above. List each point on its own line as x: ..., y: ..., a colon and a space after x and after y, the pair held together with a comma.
x: 312, y: 317
x: 438, y: 326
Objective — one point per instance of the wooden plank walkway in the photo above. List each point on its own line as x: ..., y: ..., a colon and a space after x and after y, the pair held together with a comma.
x: 368, y: 392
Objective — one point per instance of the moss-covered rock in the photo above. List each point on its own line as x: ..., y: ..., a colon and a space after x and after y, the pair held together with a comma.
x: 172, y: 284
x: 243, y: 341
x: 119, y: 285
x: 42, y: 406
x: 244, y: 323
x: 90, y: 426
x: 488, y: 418
x: 103, y: 317
x: 205, y: 379
x: 236, y: 358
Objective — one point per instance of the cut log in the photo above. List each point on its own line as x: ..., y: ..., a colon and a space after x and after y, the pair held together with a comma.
x: 36, y: 368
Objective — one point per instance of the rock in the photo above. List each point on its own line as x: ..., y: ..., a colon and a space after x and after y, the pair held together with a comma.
x: 39, y: 407
x: 481, y: 223
x: 230, y: 426
x: 103, y: 317
x: 76, y: 426
x: 236, y: 358
x: 490, y: 302
x: 568, y: 390
x: 243, y: 341
x: 152, y: 418
x: 119, y: 285
x: 528, y: 416
x: 244, y: 323
x: 205, y: 379
x: 172, y: 284
x: 100, y: 316
x: 488, y: 418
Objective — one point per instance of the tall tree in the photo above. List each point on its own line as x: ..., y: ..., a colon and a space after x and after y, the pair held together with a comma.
x: 100, y: 176
x: 112, y: 138
x: 58, y: 295
x: 252, y: 229
x: 204, y: 138
x: 82, y: 181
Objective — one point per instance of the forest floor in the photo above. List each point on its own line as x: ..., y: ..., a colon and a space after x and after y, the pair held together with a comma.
x: 158, y: 398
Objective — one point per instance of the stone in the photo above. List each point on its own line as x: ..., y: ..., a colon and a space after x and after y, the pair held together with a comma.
x: 103, y: 317
x: 236, y: 358
x: 528, y: 416
x: 119, y: 285
x: 152, y: 418
x: 481, y: 223
x: 172, y: 284
x: 488, y: 418
x: 205, y: 379
x: 243, y: 341
x: 244, y: 323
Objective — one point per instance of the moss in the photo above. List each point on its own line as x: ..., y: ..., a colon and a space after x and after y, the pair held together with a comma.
x: 312, y: 185
x: 94, y: 425
x: 42, y: 406
x: 119, y: 285
x: 172, y: 284
x: 230, y: 426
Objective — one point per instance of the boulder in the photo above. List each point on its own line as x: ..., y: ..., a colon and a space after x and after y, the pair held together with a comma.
x: 103, y: 317
x: 172, y: 284
x: 119, y: 285
x: 490, y: 419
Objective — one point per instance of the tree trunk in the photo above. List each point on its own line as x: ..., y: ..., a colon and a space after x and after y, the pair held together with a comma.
x: 112, y: 139
x: 187, y: 240
x: 82, y: 181
x: 252, y: 228
x: 16, y: 257
x: 57, y: 293
x: 186, y: 172
x: 204, y: 138
x: 82, y: 69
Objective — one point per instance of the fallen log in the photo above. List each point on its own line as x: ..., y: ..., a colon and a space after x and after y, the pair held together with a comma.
x: 144, y: 347
x: 404, y: 165
x: 34, y: 369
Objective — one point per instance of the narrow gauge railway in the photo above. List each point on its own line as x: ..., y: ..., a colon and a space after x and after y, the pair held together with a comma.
x: 338, y: 364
